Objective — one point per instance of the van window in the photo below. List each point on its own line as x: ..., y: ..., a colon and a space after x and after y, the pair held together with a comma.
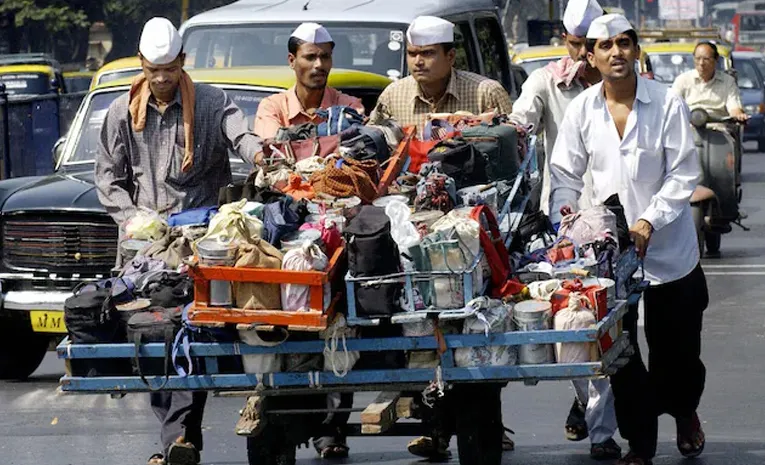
x: 490, y: 39
x: 377, y: 48
x: 463, y: 44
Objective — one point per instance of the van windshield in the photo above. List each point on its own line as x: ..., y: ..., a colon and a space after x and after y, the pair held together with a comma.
x: 375, y: 48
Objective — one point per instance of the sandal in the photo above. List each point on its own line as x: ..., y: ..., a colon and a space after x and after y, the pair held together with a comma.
x: 426, y: 447
x: 156, y: 459
x: 576, y: 427
x: 334, y: 451
x: 633, y: 459
x: 608, y: 450
x: 182, y: 453
x: 690, y: 437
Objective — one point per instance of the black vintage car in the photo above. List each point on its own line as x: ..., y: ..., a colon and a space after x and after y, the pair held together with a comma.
x: 55, y: 233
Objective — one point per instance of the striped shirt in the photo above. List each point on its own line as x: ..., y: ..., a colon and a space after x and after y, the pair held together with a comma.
x: 403, y: 100
x: 144, y: 169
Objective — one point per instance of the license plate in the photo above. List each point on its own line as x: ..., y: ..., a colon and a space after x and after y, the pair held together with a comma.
x: 47, y: 321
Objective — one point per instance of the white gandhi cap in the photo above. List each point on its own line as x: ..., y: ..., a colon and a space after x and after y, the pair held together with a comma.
x: 430, y: 30
x: 160, y: 42
x: 312, y: 33
x: 608, y: 26
x: 579, y: 15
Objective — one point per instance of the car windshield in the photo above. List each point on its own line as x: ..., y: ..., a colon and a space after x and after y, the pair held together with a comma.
x: 97, y: 106
x: 18, y: 84
x: 747, y: 74
x: 109, y: 76
x: 532, y: 65
x: 373, y: 48
x: 668, y: 66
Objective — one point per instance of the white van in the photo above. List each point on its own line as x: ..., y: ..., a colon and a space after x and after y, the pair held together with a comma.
x: 369, y: 35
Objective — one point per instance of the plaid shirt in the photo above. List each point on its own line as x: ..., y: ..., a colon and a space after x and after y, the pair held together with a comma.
x: 144, y: 169
x: 403, y: 100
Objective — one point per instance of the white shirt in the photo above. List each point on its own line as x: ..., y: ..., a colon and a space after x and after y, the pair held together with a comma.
x: 653, y: 168
x: 542, y: 104
x: 719, y: 97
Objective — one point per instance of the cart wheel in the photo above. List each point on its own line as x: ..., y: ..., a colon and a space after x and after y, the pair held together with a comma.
x: 479, y: 423
x: 270, y: 447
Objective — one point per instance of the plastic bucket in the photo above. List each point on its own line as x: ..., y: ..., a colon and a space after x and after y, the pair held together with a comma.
x: 534, y: 315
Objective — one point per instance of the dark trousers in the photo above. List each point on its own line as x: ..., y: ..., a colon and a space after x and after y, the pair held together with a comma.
x: 674, y: 380
x: 180, y: 413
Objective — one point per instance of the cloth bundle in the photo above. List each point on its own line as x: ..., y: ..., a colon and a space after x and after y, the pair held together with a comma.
x: 308, y: 257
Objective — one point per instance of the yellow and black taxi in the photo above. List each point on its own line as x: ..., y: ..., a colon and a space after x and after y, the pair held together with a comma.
x: 55, y: 233
x: 29, y: 75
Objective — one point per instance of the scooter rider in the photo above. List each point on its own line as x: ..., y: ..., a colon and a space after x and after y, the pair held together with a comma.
x: 543, y: 101
x: 706, y: 88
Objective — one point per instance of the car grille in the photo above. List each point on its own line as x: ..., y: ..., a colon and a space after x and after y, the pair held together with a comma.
x: 74, y: 244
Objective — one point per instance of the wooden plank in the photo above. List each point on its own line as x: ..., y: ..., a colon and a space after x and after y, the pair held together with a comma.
x: 312, y: 319
x: 404, y: 407
x: 380, y: 414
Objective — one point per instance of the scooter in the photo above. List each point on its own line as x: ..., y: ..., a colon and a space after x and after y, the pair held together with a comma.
x: 716, y: 199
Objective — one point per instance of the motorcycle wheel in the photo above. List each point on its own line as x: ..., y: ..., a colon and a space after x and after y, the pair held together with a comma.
x: 712, y: 241
x: 698, y: 221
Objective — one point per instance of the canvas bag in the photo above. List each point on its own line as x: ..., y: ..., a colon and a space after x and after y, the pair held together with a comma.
x: 257, y: 296
x: 492, y: 316
x: 576, y: 315
x: 171, y: 249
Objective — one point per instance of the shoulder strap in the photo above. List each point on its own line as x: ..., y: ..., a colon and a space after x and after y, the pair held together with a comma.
x: 493, y: 247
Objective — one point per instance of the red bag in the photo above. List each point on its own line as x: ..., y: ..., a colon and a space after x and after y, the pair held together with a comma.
x: 419, y: 149
x: 496, y: 254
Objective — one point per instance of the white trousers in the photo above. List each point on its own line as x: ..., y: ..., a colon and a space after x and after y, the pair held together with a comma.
x: 600, y: 414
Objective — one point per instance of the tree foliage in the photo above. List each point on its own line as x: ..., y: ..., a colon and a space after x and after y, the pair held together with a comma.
x: 54, y: 16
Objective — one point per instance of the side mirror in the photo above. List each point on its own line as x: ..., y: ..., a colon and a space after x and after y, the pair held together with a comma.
x: 58, y: 149
x: 55, y: 85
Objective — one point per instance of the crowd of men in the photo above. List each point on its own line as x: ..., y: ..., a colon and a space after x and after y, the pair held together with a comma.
x: 164, y: 146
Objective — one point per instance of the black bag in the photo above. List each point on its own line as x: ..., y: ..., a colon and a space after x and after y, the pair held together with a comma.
x: 622, y: 228
x: 365, y: 143
x: 499, y: 143
x: 532, y: 223
x: 154, y: 325
x: 461, y: 161
x: 373, y: 252
x: 91, y: 318
x: 167, y: 289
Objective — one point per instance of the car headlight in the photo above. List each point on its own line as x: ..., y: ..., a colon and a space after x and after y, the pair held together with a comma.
x: 752, y: 109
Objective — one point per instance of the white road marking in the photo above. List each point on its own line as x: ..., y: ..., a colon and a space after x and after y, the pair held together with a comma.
x: 734, y: 273
x: 722, y: 267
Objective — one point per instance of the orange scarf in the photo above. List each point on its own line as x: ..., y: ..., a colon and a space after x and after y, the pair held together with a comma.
x: 139, y: 101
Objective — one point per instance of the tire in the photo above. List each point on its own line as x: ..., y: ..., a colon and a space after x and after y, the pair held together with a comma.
x: 698, y: 221
x: 761, y: 145
x: 479, y: 424
x: 270, y: 448
x: 21, y: 349
x: 712, y: 241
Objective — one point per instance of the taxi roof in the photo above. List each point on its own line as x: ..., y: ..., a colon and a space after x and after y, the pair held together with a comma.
x: 281, y: 77
x: 327, y: 11
x: 121, y: 63
x: 539, y: 51
x: 26, y: 69
x: 681, y: 47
